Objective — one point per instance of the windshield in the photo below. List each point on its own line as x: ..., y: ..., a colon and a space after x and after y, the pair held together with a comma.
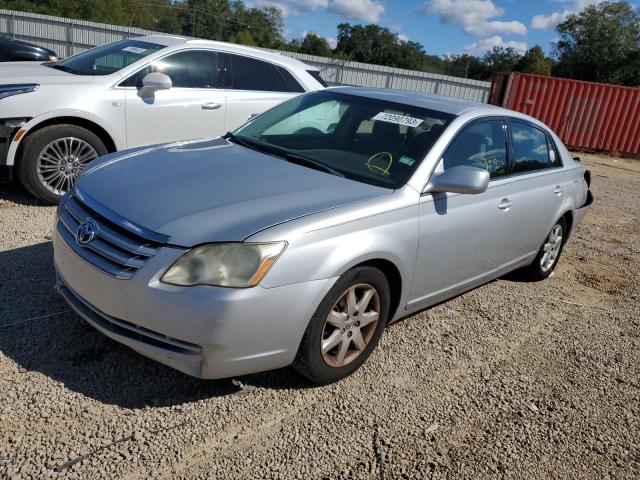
x: 371, y: 141
x: 107, y: 58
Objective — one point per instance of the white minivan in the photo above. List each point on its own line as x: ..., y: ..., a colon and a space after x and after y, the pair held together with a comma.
x: 55, y: 117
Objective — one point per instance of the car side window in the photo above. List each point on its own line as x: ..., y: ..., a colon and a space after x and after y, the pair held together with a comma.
x: 482, y: 144
x: 531, y: 149
x: 188, y: 69
x: 252, y: 74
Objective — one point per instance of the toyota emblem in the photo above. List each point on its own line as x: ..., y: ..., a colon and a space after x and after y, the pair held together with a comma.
x: 87, y: 231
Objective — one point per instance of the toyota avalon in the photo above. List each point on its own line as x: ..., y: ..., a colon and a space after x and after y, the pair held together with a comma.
x: 297, y: 238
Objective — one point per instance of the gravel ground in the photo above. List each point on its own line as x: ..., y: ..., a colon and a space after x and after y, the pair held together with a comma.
x: 511, y: 380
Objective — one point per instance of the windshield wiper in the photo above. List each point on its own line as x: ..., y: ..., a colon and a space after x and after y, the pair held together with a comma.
x: 278, y: 152
x: 238, y: 140
x: 308, y: 162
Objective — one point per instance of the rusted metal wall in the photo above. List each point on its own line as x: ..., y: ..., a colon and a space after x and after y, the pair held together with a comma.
x: 586, y: 115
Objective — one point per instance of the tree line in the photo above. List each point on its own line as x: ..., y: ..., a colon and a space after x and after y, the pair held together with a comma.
x: 601, y: 43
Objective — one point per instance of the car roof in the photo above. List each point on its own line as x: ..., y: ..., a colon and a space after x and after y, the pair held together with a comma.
x: 171, y: 41
x: 33, y: 46
x: 454, y: 106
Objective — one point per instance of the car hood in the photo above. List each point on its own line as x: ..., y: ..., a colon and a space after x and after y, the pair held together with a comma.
x: 34, y: 72
x: 213, y: 190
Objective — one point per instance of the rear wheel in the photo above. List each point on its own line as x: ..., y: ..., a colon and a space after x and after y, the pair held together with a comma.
x: 549, y: 254
x: 346, y: 326
x: 53, y: 158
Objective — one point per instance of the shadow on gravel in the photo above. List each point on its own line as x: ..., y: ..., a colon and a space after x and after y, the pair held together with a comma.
x: 13, y: 192
x: 60, y: 345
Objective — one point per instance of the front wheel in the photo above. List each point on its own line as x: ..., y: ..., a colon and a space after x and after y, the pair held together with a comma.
x: 53, y: 158
x: 346, y: 327
x: 549, y: 254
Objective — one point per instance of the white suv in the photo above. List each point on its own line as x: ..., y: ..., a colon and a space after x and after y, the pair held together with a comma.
x: 57, y: 117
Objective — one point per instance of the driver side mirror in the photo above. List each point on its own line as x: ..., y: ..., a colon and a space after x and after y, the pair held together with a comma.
x: 157, y: 81
x: 461, y: 179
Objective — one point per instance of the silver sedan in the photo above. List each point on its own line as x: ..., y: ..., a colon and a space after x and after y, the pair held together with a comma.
x: 297, y: 238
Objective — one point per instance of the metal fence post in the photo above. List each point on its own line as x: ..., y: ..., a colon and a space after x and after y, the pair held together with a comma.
x: 69, y: 40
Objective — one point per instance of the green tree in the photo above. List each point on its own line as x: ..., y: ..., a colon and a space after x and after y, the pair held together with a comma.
x: 466, y: 66
x: 501, y: 60
x: 534, y: 61
x: 601, y: 44
x: 314, y: 44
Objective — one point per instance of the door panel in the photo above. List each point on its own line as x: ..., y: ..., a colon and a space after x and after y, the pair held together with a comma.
x: 537, y: 203
x: 540, y: 185
x: 253, y: 86
x: 194, y: 107
x: 174, y: 114
x: 242, y: 105
x: 462, y: 238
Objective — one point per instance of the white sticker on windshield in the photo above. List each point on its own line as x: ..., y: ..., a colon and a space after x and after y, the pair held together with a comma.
x: 398, y: 119
x: 134, y: 49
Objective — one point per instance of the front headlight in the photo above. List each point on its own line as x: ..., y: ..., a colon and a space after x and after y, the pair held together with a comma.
x: 17, y: 89
x: 224, y: 264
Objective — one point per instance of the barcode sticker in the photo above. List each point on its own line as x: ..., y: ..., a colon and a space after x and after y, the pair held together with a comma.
x: 398, y: 119
x: 134, y: 49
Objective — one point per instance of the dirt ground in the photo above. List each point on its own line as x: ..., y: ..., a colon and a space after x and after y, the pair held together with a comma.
x: 511, y: 380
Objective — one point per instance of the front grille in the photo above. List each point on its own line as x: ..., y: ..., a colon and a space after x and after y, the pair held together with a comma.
x: 114, y: 250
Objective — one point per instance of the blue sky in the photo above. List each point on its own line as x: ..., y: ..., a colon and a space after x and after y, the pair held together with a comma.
x: 442, y: 26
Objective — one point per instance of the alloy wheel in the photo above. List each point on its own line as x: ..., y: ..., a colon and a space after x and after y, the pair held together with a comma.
x: 61, y: 162
x: 350, y: 325
x: 551, y: 248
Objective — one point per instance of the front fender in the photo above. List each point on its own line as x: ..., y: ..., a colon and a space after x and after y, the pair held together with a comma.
x: 39, y: 119
x: 328, y: 244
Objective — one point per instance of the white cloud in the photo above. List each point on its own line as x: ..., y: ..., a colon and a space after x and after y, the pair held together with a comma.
x: 549, y: 22
x: 364, y: 10
x: 332, y: 41
x: 482, y: 46
x: 403, y: 37
x: 290, y: 7
x: 475, y: 16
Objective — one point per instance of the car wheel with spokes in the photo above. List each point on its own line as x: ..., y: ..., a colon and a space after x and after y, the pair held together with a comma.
x: 346, y: 327
x: 549, y: 254
x: 54, y: 157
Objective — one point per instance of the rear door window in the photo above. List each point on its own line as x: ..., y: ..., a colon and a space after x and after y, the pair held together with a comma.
x: 247, y: 73
x: 532, y: 149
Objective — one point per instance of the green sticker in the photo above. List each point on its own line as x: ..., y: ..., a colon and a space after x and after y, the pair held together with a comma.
x: 407, y: 160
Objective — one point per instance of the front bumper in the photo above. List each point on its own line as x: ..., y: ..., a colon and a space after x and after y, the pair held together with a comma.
x: 206, y: 332
x: 8, y: 130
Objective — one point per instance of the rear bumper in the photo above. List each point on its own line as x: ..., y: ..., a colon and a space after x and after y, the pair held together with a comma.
x: 580, y: 212
x: 206, y: 332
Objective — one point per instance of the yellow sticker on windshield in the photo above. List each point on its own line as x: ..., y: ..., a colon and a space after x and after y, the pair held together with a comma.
x: 398, y: 119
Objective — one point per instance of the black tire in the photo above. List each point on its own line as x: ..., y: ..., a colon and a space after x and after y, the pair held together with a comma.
x: 27, y: 167
x: 535, y: 272
x: 309, y: 360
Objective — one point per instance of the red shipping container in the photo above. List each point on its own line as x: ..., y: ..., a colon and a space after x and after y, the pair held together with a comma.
x: 585, y: 115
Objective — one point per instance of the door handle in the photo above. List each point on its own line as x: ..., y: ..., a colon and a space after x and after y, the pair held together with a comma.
x: 211, y: 106
x: 558, y: 190
x: 505, y: 204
